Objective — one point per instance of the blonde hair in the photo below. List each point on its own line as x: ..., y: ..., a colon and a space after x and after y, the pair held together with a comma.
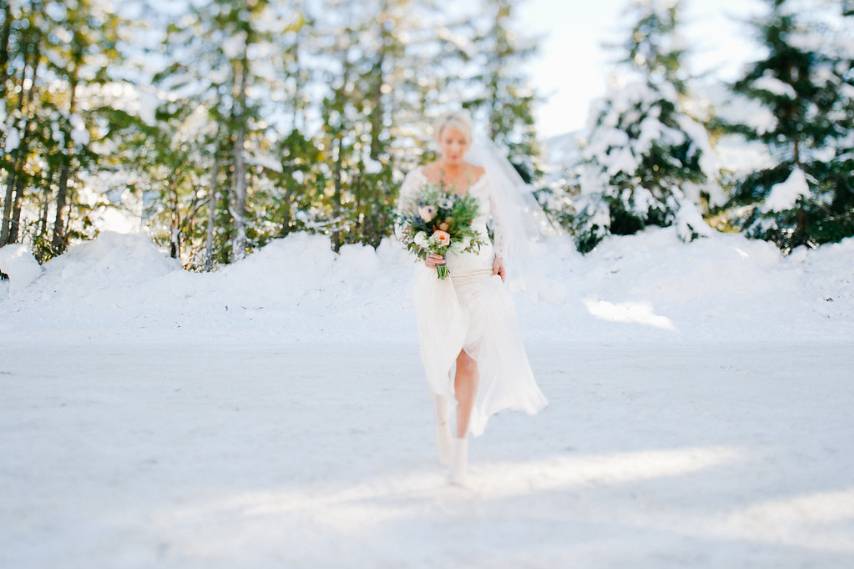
x: 456, y: 119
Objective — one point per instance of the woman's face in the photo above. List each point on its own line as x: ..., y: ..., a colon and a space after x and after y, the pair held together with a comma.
x: 453, y: 144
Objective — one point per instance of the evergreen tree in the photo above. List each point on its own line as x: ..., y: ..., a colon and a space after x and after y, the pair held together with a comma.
x: 216, y: 63
x: 263, y: 117
x: 379, y: 94
x: 805, y: 81
x: 54, y: 55
x: 344, y: 130
x: 654, y: 45
x: 645, y: 161
x: 297, y: 180
x: 504, y: 97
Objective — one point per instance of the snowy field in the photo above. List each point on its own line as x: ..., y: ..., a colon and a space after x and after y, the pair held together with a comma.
x: 273, y: 414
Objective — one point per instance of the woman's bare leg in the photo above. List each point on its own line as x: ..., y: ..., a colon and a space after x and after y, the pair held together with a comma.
x: 465, y: 388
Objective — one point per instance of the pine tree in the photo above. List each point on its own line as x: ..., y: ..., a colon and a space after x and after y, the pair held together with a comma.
x: 212, y: 66
x: 55, y: 55
x: 297, y: 150
x: 505, y: 98
x: 645, y: 161
x: 19, y: 133
x: 378, y: 96
x: 806, y: 83
x: 264, y: 118
x: 653, y: 45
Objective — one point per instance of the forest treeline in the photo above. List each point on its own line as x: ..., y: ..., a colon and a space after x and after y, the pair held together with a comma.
x: 223, y: 124
x: 229, y: 123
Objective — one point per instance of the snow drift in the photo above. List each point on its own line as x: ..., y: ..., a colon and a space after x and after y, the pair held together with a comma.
x: 17, y: 263
x: 648, y: 286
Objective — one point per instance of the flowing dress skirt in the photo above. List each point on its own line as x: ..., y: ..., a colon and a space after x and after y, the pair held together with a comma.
x: 472, y: 310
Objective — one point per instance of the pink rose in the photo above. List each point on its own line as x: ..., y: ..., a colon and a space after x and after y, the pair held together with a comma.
x: 442, y: 237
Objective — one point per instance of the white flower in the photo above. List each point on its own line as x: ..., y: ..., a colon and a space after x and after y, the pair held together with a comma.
x: 420, y: 239
x: 446, y: 203
x: 461, y: 245
x: 427, y: 213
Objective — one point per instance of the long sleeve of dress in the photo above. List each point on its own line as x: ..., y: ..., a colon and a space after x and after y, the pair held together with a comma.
x: 499, y: 229
x: 408, y: 192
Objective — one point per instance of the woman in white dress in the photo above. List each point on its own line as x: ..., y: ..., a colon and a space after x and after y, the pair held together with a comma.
x: 470, y: 344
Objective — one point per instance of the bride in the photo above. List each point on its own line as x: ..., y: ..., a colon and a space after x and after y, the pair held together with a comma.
x: 470, y: 345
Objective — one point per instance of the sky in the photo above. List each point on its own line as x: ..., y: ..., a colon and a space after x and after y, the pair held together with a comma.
x: 572, y: 66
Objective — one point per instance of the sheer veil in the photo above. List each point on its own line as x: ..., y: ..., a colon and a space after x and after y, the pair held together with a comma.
x: 524, y: 225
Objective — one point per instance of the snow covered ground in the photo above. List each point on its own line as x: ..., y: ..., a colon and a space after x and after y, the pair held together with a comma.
x: 648, y: 286
x: 273, y: 413
x: 321, y: 455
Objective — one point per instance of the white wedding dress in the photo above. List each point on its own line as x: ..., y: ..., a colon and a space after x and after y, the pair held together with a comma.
x: 472, y: 310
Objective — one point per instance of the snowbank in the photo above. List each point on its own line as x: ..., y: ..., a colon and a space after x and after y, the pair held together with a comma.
x: 108, y: 265
x: 649, y: 286
x: 18, y: 263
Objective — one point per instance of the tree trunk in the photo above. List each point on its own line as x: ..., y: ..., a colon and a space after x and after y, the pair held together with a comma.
x: 174, y: 221
x: 286, y: 213
x: 238, y: 248
x: 376, y: 117
x: 336, y: 232
x: 800, y: 237
x: 12, y: 173
x: 59, y: 239
x: 23, y: 148
x: 7, y: 207
x: 298, y: 117
x: 17, y: 204
x: 5, y: 33
x: 42, y: 227
x: 212, y: 206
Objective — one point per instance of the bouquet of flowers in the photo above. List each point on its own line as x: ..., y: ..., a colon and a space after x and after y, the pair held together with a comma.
x: 438, y: 221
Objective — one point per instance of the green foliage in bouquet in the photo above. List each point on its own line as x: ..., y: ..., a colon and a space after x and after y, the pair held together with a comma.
x: 438, y: 221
